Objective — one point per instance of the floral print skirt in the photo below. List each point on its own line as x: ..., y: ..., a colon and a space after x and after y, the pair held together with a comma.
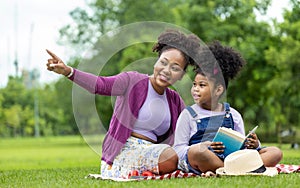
x: 137, y: 155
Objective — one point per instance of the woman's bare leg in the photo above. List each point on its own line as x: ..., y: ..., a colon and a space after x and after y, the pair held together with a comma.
x: 167, y: 161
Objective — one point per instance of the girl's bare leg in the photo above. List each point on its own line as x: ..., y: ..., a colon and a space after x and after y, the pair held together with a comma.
x: 271, y: 156
x: 202, y: 159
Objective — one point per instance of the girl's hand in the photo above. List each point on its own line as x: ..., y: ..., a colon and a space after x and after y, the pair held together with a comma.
x: 252, y: 142
x: 218, y: 147
x: 55, y: 64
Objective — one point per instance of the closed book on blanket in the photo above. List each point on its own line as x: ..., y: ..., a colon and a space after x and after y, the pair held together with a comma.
x: 232, y: 140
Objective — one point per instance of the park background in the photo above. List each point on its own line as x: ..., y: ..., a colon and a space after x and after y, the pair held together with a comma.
x: 265, y: 93
x: 40, y: 142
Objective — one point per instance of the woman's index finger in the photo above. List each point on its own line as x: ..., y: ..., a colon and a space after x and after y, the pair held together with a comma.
x: 52, y: 55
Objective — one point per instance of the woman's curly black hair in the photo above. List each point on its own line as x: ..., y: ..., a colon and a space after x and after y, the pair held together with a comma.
x: 216, y: 59
x: 187, y: 44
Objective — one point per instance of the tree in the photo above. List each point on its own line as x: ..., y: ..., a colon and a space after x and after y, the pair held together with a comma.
x: 13, y: 119
x: 232, y: 22
x: 15, y: 99
x: 103, y: 16
x: 3, y: 129
x: 284, y: 86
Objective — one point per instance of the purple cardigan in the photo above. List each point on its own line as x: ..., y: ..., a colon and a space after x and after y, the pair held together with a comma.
x: 131, y: 91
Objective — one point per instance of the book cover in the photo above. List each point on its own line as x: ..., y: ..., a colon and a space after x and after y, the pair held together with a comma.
x: 232, y: 140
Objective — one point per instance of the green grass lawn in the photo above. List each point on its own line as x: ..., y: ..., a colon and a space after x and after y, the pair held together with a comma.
x: 66, y: 161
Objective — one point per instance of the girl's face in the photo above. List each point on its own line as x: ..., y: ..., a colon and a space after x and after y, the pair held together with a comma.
x: 204, y: 92
x: 168, y: 69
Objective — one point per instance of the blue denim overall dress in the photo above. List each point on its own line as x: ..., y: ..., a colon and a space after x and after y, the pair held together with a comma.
x: 208, y: 127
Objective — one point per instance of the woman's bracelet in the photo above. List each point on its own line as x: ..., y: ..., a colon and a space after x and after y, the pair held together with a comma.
x: 71, y: 73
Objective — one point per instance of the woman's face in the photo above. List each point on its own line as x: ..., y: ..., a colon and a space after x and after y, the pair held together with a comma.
x: 168, y: 69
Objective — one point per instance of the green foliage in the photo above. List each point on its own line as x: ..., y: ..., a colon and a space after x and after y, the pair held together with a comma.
x: 265, y: 93
x: 23, y: 107
x: 285, y: 96
x: 15, y: 109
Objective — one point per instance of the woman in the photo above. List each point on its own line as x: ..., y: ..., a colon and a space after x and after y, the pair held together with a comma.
x: 146, y: 110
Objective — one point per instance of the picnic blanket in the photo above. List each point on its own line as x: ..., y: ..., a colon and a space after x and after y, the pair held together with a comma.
x: 281, y: 168
x: 286, y: 168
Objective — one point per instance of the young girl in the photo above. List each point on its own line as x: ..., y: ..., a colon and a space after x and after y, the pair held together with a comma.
x: 146, y: 110
x: 199, y: 123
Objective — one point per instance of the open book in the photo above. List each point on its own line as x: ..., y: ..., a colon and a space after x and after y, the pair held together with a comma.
x: 232, y: 140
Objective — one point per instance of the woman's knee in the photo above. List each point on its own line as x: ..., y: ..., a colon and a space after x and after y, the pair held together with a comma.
x: 168, y: 154
x: 168, y: 161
